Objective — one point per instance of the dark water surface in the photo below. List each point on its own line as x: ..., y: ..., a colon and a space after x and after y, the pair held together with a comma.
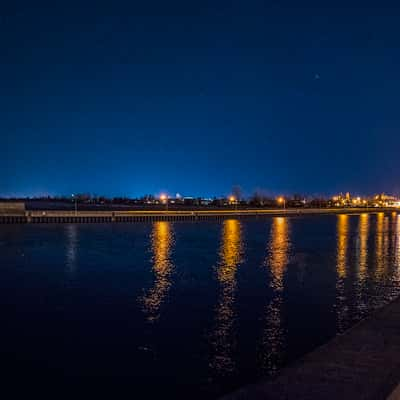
x: 186, y: 309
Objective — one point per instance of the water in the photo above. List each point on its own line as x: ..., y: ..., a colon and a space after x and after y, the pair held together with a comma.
x: 186, y: 309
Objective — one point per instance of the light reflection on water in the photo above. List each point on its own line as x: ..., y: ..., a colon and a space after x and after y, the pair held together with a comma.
x: 72, y: 248
x: 363, y: 232
x: 396, y: 247
x: 374, y: 264
x: 271, y: 352
x: 230, y: 253
x: 162, y: 241
x: 362, y: 264
x: 380, y: 245
x: 397, y: 243
x: 341, y: 268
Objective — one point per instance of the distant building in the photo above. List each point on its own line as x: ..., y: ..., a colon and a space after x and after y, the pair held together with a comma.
x: 205, y: 202
x: 383, y: 200
x: 12, y: 207
x: 189, y: 201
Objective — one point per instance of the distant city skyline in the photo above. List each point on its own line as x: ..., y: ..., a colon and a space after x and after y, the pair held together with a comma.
x: 220, y: 194
x: 231, y: 195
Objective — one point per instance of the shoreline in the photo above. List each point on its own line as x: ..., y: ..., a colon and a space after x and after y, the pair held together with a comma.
x: 61, y: 216
x: 360, y: 363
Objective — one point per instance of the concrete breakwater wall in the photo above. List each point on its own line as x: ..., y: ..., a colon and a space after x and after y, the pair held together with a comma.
x: 363, y: 363
x: 12, y: 208
x: 143, y: 216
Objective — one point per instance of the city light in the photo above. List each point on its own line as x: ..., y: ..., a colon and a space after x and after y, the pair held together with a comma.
x: 164, y: 200
x: 282, y: 200
x: 377, y: 201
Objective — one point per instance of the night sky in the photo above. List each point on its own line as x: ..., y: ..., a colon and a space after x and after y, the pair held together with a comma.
x: 194, y: 97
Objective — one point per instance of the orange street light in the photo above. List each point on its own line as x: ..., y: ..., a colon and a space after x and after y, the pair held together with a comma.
x: 232, y: 200
x: 164, y: 199
x: 282, y: 200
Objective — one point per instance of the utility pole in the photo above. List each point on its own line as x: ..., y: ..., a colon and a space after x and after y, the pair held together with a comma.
x: 76, y: 205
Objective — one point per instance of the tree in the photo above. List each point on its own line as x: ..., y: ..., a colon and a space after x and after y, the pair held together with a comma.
x: 261, y: 198
x: 237, y: 192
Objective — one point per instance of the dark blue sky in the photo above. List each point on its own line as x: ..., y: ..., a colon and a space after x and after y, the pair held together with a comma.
x: 194, y: 97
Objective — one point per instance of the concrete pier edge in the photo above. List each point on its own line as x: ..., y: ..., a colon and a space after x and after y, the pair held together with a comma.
x: 362, y: 363
x: 54, y: 216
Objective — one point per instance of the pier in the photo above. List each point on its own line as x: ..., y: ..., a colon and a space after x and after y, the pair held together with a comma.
x: 56, y: 216
x: 362, y: 363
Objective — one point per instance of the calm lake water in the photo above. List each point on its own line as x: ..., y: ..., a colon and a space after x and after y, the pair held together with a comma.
x: 186, y: 309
